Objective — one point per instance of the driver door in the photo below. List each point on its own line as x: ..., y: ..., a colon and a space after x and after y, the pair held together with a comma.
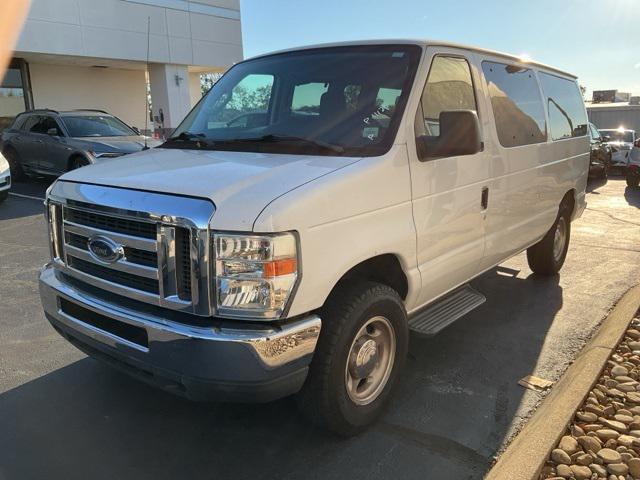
x: 450, y: 194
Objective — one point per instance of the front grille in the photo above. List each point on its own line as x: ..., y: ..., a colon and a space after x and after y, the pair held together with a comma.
x: 137, y: 245
x: 132, y: 333
x: 113, y: 224
x: 114, y: 276
x: 132, y: 255
x: 183, y: 263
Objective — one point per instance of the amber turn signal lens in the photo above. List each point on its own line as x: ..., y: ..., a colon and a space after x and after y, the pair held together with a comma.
x: 278, y: 268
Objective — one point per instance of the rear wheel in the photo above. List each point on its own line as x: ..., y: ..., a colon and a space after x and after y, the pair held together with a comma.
x: 17, y: 173
x: 548, y: 255
x: 360, y: 353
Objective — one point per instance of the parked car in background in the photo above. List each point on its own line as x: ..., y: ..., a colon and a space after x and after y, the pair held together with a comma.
x: 601, y: 156
x: 48, y: 142
x: 293, y: 253
x: 633, y: 169
x: 5, y: 178
x: 621, y: 142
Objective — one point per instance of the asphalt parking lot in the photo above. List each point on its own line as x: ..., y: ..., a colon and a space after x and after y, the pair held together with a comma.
x: 63, y: 415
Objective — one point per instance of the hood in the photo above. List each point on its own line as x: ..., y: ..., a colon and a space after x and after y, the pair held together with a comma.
x: 122, y: 144
x: 621, y: 144
x: 240, y: 184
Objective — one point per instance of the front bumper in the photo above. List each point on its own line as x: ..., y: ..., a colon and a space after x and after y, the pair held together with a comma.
x: 232, y: 361
x: 5, y: 181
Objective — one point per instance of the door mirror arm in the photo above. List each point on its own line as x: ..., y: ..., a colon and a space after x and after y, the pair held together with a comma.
x: 459, y: 135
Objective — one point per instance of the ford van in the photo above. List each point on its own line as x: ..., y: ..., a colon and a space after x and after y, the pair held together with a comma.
x: 316, y: 206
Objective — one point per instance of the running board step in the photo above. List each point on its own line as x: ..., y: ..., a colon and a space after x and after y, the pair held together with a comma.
x: 445, y: 311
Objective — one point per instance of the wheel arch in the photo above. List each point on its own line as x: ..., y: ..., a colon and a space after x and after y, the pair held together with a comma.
x: 384, y: 268
x: 568, y: 202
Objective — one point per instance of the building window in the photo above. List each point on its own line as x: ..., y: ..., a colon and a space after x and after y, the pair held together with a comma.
x: 517, y: 104
x: 567, y: 117
x: 15, y: 95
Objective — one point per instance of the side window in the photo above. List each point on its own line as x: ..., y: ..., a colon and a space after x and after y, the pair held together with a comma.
x: 516, y: 103
x: 449, y: 87
x: 37, y: 126
x: 247, y: 104
x: 306, y: 98
x: 567, y: 117
x: 19, y: 122
x: 49, y: 123
x: 30, y: 123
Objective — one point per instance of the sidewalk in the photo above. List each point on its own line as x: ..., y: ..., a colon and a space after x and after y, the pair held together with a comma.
x: 589, y: 425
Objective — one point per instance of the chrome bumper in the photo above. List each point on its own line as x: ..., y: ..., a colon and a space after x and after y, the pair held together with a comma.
x: 232, y: 360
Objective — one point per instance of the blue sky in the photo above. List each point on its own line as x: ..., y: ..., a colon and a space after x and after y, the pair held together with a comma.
x: 598, y: 40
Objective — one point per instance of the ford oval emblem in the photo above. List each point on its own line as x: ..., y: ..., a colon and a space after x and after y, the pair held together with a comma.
x: 104, y: 249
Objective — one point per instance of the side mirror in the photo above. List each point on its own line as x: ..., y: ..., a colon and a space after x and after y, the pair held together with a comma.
x: 459, y: 135
x: 53, y: 132
x: 136, y: 129
x: 637, y: 143
x: 606, y: 138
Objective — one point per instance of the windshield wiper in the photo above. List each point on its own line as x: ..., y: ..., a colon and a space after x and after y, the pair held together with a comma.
x: 271, y: 138
x: 186, y: 137
x: 198, y: 140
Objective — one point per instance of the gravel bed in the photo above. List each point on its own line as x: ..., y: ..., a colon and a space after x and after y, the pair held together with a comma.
x: 603, y: 440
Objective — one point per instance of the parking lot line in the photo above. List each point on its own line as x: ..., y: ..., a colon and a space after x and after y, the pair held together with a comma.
x: 30, y: 197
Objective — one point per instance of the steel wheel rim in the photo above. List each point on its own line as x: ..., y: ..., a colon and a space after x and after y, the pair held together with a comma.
x: 559, y: 239
x: 370, y: 360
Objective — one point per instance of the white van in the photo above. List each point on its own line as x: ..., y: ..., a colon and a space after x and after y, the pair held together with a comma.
x: 311, y: 210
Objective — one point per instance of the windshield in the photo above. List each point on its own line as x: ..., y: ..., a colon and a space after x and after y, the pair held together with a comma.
x: 618, y: 136
x: 328, y: 101
x: 96, y: 126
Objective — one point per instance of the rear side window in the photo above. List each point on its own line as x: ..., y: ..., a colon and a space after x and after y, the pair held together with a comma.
x: 449, y: 87
x: 19, y: 122
x: 517, y: 105
x: 31, y: 124
x: 567, y: 116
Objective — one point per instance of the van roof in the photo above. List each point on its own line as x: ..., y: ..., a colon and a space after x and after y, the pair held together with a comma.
x: 422, y: 43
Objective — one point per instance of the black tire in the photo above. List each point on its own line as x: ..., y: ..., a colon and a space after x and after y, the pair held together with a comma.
x: 633, y: 180
x: 4, y: 195
x: 78, y: 162
x: 324, y: 398
x: 542, y: 257
x: 15, y: 167
x: 604, y: 173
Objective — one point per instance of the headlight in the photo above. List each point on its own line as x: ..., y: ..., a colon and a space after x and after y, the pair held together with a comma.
x: 105, y: 154
x: 255, y: 274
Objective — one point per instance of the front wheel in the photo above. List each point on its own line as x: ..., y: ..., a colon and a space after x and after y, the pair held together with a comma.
x: 604, y: 174
x: 633, y: 179
x: 360, y: 353
x: 15, y: 167
x: 547, y: 256
x: 4, y: 195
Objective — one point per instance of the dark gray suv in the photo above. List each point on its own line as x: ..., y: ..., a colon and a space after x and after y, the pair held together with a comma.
x: 47, y: 142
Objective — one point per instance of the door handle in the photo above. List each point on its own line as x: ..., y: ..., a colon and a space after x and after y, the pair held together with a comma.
x: 484, y: 198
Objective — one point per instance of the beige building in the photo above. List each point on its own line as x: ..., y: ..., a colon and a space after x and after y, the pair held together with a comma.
x: 92, y: 54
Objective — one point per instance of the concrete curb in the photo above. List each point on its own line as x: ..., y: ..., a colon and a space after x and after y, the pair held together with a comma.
x: 528, y: 452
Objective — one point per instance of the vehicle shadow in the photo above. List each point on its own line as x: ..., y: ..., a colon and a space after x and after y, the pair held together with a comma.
x: 455, y: 404
x: 632, y: 196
